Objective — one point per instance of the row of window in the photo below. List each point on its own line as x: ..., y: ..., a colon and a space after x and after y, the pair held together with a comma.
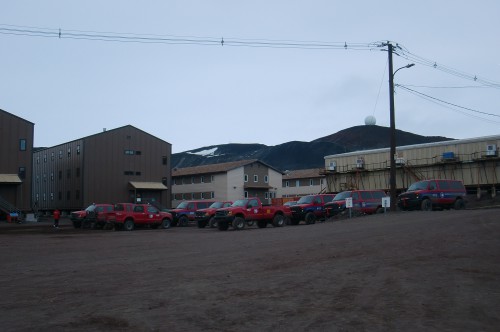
x: 60, y: 154
x: 131, y: 173
x: 297, y: 183
x: 59, y: 196
x: 211, y: 195
x: 60, y: 175
x: 256, y: 178
x: 192, y: 180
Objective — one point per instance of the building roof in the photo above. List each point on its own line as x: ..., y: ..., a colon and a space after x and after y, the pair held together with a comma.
x: 216, y: 168
x: 10, y: 178
x: 148, y: 185
x: 303, y: 174
x: 417, y: 146
x: 104, y: 132
x: 15, y: 116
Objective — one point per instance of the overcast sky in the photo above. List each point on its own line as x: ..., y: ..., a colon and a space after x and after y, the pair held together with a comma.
x: 198, y: 95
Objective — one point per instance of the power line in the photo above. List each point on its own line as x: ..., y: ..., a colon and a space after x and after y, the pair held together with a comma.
x: 447, y: 104
x: 170, y: 39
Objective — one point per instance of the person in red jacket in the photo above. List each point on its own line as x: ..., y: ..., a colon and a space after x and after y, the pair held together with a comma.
x: 56, y: 214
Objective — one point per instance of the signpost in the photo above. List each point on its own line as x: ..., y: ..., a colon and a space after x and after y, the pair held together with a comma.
x: 348, y: 204
x: 386, y: 203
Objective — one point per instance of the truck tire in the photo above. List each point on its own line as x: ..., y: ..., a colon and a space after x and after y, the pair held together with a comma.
x: 222, y: 225
x: 165, y: 223
x: 262, y: 224
x: 212, y: 222
x: 202, y: 223
x: 129, y: 225
x: 310, y: 218
x: 459, y: 204
x: 183, y: 221
x: 238, y: 223
x: 426, y: 205
x: 278, y: 221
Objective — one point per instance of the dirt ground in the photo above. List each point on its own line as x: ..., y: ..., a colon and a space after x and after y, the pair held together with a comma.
x: 409, y: 271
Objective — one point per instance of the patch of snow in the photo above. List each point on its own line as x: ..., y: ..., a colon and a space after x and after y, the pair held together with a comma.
x: 209, y: 152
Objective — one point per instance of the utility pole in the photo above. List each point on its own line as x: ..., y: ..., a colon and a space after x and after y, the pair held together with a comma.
x: 392, y: 173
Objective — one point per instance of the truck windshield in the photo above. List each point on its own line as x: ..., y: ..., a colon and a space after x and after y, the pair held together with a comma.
x: 305, y: 200
x: 182, y: 205
x: 216, y: 205
x: 341, y: 196
x: 422, y: 185
x: 240, y: 203
x: 90, y: 208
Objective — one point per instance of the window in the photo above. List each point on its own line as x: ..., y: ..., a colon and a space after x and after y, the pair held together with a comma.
x: 129, y: 152
x: 138, y: 173
x: 297, y: 183
x: 246, y: 194
x: 69, y: 152
x: 51, y: 196
x: 38, y: 159
x: 60, y: 175
x: 44, y: 177
x: 52, y: 156
x: 266, y: 195
x: 311, y: 182
x: 211, y: 178
x: 287, y: 184
x: 44, y: 158
x: 212, y: 195
x: 266, y: 179
x: 78, y: 149
x: 164, y: 160
x: 246, y: 178
x: 192, y: 179
x: 255, y: 178
x: 202, y: 179
x: 138, y: 153
x: 51, y: 176
x: 60, y: 154
x: 22, y: 144
x: 22, y: 172
x: 128, y: 173
x: 68, y: 173
x: 78, y: 172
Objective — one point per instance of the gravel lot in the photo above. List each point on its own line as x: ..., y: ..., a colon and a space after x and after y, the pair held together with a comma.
x: 412, y: 271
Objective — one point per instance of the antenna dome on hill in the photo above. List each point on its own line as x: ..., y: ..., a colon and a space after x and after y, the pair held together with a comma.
x: 370, y: 120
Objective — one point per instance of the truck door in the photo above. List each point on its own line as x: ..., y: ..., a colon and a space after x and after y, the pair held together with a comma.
x: 140, y: 215
x: 253, y: 209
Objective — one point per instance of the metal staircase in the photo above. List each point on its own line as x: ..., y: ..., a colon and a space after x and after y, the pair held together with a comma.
x: 7, y: 207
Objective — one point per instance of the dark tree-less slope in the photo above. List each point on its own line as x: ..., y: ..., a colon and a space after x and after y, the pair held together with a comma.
x: 301, y: 155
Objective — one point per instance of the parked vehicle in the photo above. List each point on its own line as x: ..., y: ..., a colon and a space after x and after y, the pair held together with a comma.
x: 310, y: 208
x: 364, y: 201
x: 290, y: 203
x: 429, y: 194
x: 94, y: 216
x: 186, y: 211
x: 128, y: 215
x: 207, y: 215
x: 249, y: 210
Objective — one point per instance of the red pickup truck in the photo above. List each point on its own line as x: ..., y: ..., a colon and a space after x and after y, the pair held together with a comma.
x: 251, y: 209
x: 128, y: 216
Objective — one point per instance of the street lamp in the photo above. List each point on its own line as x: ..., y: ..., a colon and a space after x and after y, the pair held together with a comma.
x: 392, y: 174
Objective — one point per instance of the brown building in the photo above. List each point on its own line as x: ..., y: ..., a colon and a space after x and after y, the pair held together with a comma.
x: 16, y: 148
x: 120, y: 165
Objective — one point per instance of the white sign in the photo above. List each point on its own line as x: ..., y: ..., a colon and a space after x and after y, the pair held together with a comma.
x: 348, y: 202
x: 386, y: 202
